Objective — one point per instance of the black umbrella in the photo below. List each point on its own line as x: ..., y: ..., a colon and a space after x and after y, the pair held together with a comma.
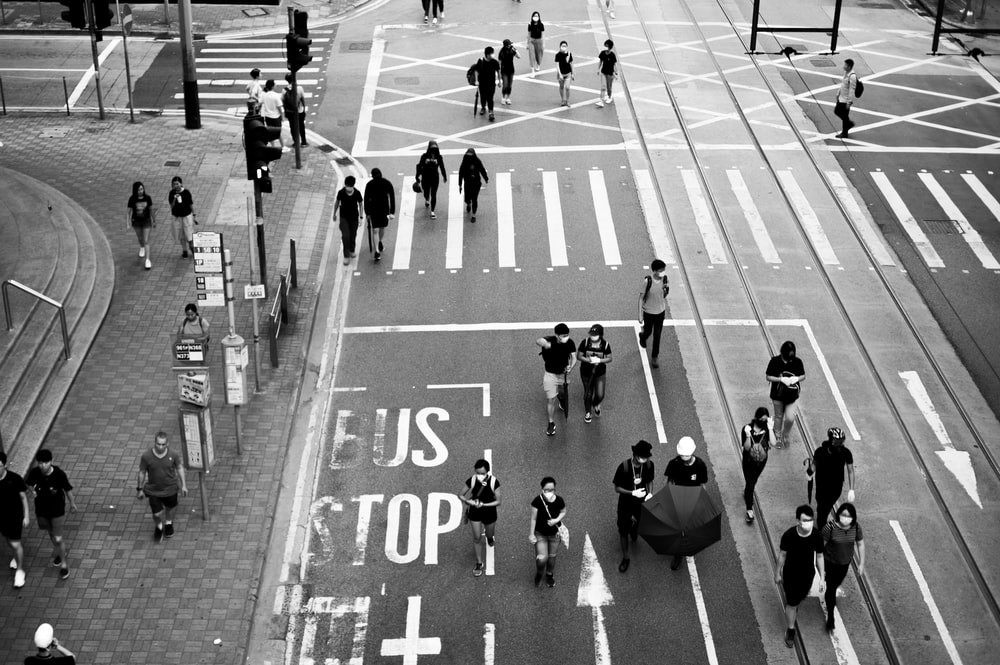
x: 680, y: 520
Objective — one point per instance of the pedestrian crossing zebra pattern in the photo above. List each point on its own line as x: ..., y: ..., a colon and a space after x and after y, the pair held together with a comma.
x: 223, y: 68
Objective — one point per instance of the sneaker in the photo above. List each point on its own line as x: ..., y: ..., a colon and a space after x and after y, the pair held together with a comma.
x: 64, y: 573
x: 850, y: 124
x: 600, y: 104
x: 57, y: 562
x: 18, y: 578
x: 492, y: 117
x: 347, y: 260
x: 642, y: 341
x: 623, y: 566
x: 830, y: 623
x: 597, y: 411
x: 435, y: 20
x: 491, y: 541
x: 158, y: 533
x: 551, y: 429
x: 442, y: 16
x: 676, y: 563
x: 482, y: 111
x: 427, y: 203
x: 538, y: 578
x: 842, y: 136
x: 478, y: 570
x: 184, y: 254
x: 611, y: 14
x: 286, y: 149
x: 550, y: 581
x: 168, y: 530
x: 473, y: 220
x: 378, y: 256
x: 433, y: 216
x: 13, y: 564
x: 790, y: 638
x: 142, y: 252
x: 587, y: 417
x: 653, y: 363
x: 425, y: 18
x: 750, y: 516
x: 149, y: 264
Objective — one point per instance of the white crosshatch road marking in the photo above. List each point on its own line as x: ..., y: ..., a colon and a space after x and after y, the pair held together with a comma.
x: 412, y: 646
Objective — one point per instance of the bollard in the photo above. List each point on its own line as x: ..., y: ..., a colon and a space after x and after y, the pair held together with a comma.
x: 66, y: 95
x: 293, y: 270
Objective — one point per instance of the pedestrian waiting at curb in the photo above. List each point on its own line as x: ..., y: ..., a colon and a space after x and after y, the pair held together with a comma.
x: 594, y: 354
x: 559, y: 354
x: 800, y: 555
x: 634, y: 485
x: 756, y: 442
x: 52, y: 490
x: 653, y: 307
x: 481, y: 498
x: 348, y: 208
x: 846, y: 96
x: 141, y: 216
x: 294, y: 104
x: 435, y: 6
x: 536, y: 43
x: 487, y: 77
x: 13, y: 516
x: 380, y: 208
x: 506, y: 57
x: 430, y: 164
x: 840, y: 538
x: 182, y: 208
x: 829, y: 462
x: 160, y: 479
x: 255, y: 92
x: 607, y: 69
x: 564, y: 72
x: 271, y: 107
x: 548, y: 510
x: 193, y: 328
x: 49, y: 650
x: 687, y: 470
x: 786, y: 373
x: 471, y: 175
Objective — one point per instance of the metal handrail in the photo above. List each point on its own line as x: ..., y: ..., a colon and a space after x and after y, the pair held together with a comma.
x: 44, y: 298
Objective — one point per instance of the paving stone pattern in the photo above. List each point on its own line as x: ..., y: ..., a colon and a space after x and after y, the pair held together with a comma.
x: 130, y: 600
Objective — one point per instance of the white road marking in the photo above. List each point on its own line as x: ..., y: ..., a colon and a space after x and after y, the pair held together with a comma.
x: 505, y: 221
x: 456, y: 221
x: 843, y: 648
x: 838, y: 397
x: 363, y: 132
x: 699, y: 601
x: 404, y: 232
x: 340, y: 437
x: 339, y: 608
x: 925, y: 591
x: 861, y: 221
x: 435, y: 528
x: 227, y: 95
x: 485, y: 387
x: 489, y: 643
x: 252, y: 61
x: 703, y: 218
x: 907, y: 220
x: 810, y: 222
x: 594, y: 593
x: 969, y: 234
x: 958, y: 462
x: 412, y: 646
x: 90, y: 72
x: 263, y: 70
x: 554, y: 219
x: 319, y: 521
x: 605, y: 222
x: 365, y: 503
x: 414, y: 519
x: 984, y: 194
x: 754, y: 220
x: 655, y: 224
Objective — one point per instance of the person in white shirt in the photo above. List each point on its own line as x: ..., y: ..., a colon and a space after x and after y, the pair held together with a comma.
x: 271, y: 108
x: 845, y: 98
x: 254, y: 92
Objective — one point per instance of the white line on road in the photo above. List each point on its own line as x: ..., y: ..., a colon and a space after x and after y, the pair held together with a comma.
x: 404, y: 234
x: 862, y: 222
x: 655, y: 224
x: 197, y: 61
x: 843, y: 648
x: 925, y: 591
x: 85, y: 79
x: 699, y: 601
x: 703, y: 218
x: 605, y: 222
x: 505, y: 221
x: 363, y: 132
x: 456, y: 222
x: 412, y: 646
x: 554, y: 219
x: 754, y: 220
x: 838, y: 397
x: 907, y: 220
x: 984, y: 194
x: 594, y: 593
x: 485, y: 387
x: 489, y: 643
x: 969, y: 234
x: 810, y: 222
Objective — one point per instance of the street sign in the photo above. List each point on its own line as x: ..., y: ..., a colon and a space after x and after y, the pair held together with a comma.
x: 253, y: 292
x: 208, y: 279
x: 189, y: 351
x: 126, y: 20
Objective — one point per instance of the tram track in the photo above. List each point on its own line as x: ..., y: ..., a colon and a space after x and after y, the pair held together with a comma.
x: 885, y: 638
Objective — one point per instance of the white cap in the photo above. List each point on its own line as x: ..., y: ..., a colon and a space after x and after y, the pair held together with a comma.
x: 43, y: 636
x: 685, y: 446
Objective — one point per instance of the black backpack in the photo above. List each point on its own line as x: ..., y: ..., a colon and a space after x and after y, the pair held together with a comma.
x: 859, y: 87
x: 470, y: 75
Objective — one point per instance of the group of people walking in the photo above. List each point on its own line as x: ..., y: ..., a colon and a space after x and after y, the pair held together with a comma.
x: 141, y: 217
x: 273, y: 106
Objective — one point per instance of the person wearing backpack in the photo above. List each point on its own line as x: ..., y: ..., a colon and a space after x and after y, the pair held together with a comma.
x: 846, y: 95
x: 653, y: 307
x: 481, y: 497
x: 634, y: 485
x: 593, y: 353
x: 488, y: 76
x: 756, y: 439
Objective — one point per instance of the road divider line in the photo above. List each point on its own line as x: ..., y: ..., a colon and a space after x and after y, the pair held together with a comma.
x: 595, y: 593
x: 699, y: 601
x: 456, y: 221
x: 907, y: 220
x: 656, y: 227
x: 505, y: 221
x: 489, y: 643
x: 925, y: 591
x: 554, y: 219
x: 754, y: 220
x: 703, y: 218
x: 862, y: 222
x: 81, y: 86
x: 810, y: 222
x: 969, y: 234
x: 605, y: 221
x: 404, y: 234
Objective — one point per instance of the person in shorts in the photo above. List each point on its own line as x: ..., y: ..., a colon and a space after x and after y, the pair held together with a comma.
x: 182, y: 208
x: 548, y: 510
x: 559, y: 353
x: 481, y: 497
x: 785, y: 372
x: 13, y: 516
x: 161, y: 476
x: 52, y: 490
x: 380, y: 208
x: 800, y: 556
x: 634, y: 485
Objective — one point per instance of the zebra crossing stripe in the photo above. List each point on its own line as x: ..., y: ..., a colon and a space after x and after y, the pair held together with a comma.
x: 404, y: 235
x: 453, y: 250
x: 251, y: 61
x: 554, y: 219
x: 263, y: 70
x: 754, y: 220
x: 969, y: 234
x: 605, y: 223
x: 907, y: 220
x: 984, y: 195
x: 810, y: 222
x: 655, y: 225
x: 713, y: 243
x: 861, y: 221
x: 505, y: 221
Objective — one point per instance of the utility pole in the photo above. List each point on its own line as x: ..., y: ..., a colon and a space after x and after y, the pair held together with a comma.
x: 192, y: 110
x: 93, y: 52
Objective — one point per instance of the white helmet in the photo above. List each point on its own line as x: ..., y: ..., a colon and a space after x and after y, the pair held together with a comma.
x: 43, y: 636
x: 685, y: 446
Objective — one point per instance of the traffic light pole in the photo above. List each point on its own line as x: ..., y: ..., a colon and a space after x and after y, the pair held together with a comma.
x: 293, y: 121
x: 192, y: 110
x: 93, y: 51
x: 258, y: 205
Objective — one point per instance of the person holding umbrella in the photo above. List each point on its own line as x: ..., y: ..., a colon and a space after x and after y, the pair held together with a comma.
x: 548, y: 510
x: 800, y: 556
x: 634, y: 484
x: 685, y: 470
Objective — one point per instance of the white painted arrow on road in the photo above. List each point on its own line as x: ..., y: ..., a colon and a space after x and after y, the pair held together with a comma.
x: 956, y: 461
x: 595, y: 594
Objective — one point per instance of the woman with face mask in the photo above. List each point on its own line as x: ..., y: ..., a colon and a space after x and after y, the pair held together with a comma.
x: 756, y: 439
x: 564, y: 71
x: 428, y: 167
x: 786, y: 373
x: 594, y: 353
x: 471, y: 175
x: 481, y: 497
x: 840, y: 538
x: 536, y: 45
x: 548, y: 510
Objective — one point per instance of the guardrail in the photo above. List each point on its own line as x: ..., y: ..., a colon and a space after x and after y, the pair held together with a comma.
x: 40, y: 296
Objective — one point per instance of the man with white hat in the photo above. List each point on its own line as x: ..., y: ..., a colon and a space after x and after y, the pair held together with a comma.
x: 47, y: 643
x: 685, y: 469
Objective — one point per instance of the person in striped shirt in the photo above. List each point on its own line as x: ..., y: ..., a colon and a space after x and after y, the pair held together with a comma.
x: 840, y: 538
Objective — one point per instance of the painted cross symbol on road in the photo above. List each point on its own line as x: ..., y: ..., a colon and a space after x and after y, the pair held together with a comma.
x: 412, y: 646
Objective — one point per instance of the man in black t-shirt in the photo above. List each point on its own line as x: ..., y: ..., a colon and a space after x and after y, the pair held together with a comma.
x: 559, y: 354
x: 634, y: 485
x: 829, y: 462
x: 801, y: 554
x: 13, y: 515
x: 487, y: 76
x: 687, y: 470
x: 350, y: 204
x: 51, y: 489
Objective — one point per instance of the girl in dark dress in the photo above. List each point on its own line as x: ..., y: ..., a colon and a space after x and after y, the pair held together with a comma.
x: 548, y: 510
x: 428, y: 167
x: 471, y: 174
x: 142, y: 219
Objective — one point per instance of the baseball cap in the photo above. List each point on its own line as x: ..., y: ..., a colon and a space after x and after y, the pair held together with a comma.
x: 507, y: 42
x: 562, y: 329
x: 643, y: 449
x: 685, y: 446
x: 43, y: 636
x: 597, y: 329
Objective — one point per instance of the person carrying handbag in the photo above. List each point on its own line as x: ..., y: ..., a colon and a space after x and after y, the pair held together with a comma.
x: 548, y: 510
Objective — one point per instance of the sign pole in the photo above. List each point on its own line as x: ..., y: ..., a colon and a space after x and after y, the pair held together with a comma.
x: 125, y: 21
x: 256, y: 313
x: 232, y: 339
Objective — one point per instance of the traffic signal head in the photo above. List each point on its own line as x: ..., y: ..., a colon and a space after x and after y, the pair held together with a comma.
x: 75, y: 14
x: 301, y: 23
x: 102, y: 14
x: 256, y: 136
x: 297, y: 51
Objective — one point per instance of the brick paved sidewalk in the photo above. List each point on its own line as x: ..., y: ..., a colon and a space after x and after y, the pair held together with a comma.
x: 130, y: 600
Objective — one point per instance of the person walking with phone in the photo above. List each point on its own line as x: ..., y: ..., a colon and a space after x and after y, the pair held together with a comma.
x: 506, y: 57
x: 548, y: 510
x: 559, y: 353
x: 785, y: 372
x: 653, y: 307
x: 564, y: 72
x: 182, y: 208
x: 482, y: 499
x: 840, y: 539
x: 430, y: 164
x: 48, y: 649
x: 594, y: 354
x: 536, y: 41
x: 634, y: 485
